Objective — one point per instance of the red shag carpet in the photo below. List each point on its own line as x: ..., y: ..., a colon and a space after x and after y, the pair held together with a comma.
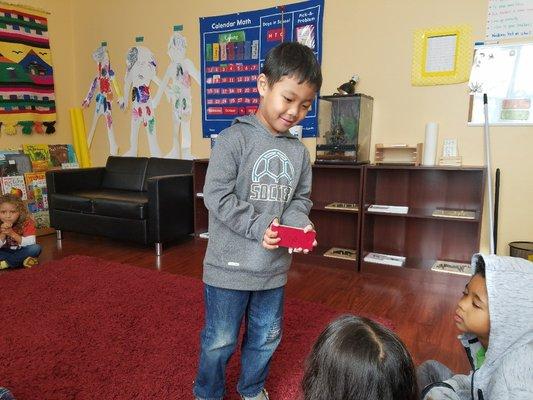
x: 85, y: 328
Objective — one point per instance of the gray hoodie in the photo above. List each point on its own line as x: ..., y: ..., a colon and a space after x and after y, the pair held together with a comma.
x: 507, y: 372
x: 252, y: 178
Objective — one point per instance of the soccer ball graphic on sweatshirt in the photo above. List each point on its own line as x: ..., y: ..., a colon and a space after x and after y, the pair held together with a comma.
x: 275, y: 165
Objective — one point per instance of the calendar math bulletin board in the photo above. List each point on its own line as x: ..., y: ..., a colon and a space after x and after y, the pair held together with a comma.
x: 234, y: 47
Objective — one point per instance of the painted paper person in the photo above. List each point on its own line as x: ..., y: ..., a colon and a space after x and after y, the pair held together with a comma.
x: 140, y: 71
x: 101, y: 85
x: 177, y: 85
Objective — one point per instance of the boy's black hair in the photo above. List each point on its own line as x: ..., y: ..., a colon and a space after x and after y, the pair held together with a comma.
x: 292, y: 59
x: 480, y: 266
x: 358, y: 359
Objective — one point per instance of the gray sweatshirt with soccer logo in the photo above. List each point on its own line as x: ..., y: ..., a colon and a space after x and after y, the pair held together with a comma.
x: 252, y: 178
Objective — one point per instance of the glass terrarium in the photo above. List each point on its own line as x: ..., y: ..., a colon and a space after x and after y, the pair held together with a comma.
x: 344, y: 128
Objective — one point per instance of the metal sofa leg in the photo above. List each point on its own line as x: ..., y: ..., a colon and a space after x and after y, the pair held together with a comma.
x: 158, y: 249
x: 59, y: 236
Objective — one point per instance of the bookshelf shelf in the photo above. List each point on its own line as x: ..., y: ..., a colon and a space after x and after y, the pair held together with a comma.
x: 425, y: 213
x: 419, y: 236
x: 336, y: 227
x: 322, y: 206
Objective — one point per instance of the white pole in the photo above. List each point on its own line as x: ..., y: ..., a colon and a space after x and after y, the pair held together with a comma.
x: 489, y: 172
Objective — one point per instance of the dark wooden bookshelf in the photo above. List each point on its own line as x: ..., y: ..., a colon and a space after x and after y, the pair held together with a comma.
x: 200, y: 212
x: 418, y: 235
x: 335, y: 227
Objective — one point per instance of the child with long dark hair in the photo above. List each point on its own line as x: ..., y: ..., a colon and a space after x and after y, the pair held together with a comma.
x: 18, y: 246
x: 355, y: 358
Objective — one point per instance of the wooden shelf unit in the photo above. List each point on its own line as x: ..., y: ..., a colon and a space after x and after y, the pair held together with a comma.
x: 200, y: 212
x: 337, y: 227
x: 418, y: 235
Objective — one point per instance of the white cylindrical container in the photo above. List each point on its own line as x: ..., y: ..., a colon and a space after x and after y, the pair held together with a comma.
x: 430, y: 145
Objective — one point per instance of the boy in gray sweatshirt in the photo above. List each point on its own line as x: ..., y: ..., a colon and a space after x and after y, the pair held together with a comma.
x: 495, y: 316
x: 258, y: 175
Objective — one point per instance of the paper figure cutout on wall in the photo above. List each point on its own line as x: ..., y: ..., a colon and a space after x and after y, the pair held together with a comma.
x: 177, y: 85
x: 27, y: 98
x: 140, y: 71
x: 101, y: 85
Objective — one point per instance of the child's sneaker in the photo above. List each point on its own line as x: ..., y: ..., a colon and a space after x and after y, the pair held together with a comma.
x: 4, y: 264
x: 261, y: 396
x: 30, y: 262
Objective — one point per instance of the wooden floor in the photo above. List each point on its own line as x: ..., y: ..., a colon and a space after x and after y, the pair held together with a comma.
x: 421, y: 309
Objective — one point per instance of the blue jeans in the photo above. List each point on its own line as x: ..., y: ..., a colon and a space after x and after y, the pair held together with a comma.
x: 224, y: 312
x: 15, y: 258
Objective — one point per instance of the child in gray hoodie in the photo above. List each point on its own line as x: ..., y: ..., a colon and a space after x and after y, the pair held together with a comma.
x: 495, y: 315
x: 258, y: 175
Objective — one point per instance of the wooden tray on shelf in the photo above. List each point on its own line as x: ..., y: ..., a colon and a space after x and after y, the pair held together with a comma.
x: 399, y: 154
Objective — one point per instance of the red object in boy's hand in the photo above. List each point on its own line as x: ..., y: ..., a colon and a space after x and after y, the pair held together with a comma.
x: 295, y: 238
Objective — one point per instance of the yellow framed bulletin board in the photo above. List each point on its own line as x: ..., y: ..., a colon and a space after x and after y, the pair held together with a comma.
x: 442, y: 55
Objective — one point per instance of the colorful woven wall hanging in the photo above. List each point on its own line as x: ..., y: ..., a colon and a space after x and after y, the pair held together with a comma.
x: 27, y: 97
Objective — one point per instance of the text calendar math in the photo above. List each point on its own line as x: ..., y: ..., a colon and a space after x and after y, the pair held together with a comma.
x: 233, y: 49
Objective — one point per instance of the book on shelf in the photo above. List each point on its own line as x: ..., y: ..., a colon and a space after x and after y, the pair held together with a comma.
x: 14, y: 185
x: 387, y: 259
x: 42, y: 219
x: 345, y: 254
x: 342, y: 206
x: 381, y: 208
x: 37, y: 191
x: 58, y: 154
x: 39, y: 155
x: 21, y: 162
x: 8, y: 167
x: 450, y: 267
x: 454, y: 213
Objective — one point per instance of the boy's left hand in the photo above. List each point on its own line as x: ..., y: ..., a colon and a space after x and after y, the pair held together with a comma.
x: 308, y: 228
x: 270, y: 238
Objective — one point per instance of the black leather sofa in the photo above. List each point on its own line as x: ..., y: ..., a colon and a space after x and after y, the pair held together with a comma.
x: 146, y: 200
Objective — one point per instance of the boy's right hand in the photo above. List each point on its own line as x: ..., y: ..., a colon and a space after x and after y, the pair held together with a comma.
x: 270, y: 238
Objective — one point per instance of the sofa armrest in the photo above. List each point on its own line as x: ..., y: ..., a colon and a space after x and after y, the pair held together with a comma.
x: 68, y: 180
x: 170, y: 207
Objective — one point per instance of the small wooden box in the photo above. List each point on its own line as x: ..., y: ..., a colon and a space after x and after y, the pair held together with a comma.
x: 399, y: 154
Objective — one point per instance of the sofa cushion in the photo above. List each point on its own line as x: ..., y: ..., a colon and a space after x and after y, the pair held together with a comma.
x: 108, y: 202
x: 166, y: 166
x: 120, y: 203
x: 71, y: 202
x: 125, y: 173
